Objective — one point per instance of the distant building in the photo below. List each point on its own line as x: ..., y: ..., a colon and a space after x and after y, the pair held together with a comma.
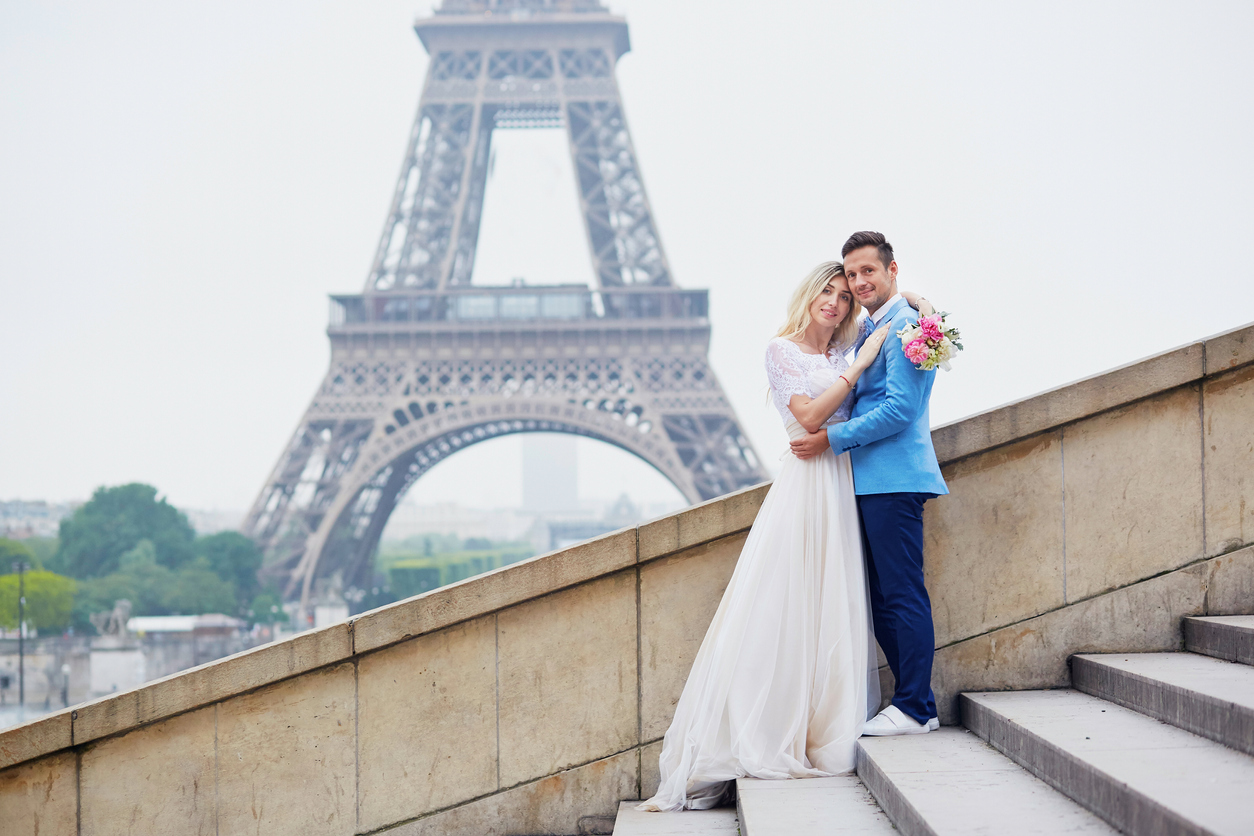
x: 209, y: 624
x: 409, y: 520
x: 153, y: 646
x: 211, y: 522
x: 557, y: 531
x: 20, y: 519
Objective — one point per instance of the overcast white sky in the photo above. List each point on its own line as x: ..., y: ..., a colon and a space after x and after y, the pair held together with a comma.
x: 182, y: 184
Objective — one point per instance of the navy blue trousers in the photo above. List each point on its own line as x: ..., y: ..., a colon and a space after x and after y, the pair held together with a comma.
x: 892, y: 538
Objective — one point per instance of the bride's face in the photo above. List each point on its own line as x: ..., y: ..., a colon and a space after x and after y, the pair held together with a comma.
x: 832, y: 305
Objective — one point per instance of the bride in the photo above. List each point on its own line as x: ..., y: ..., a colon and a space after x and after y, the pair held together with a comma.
x: 786, y: 675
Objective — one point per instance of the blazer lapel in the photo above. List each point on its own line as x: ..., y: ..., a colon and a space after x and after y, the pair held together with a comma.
x: 897, y: 306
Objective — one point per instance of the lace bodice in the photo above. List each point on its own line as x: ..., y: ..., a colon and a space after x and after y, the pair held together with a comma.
x: 790, y: 371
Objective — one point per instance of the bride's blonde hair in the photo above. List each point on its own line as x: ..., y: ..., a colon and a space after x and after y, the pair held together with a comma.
x: 803, y: 297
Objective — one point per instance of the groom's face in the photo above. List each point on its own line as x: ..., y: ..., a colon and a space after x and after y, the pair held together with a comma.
x: 872, y: 282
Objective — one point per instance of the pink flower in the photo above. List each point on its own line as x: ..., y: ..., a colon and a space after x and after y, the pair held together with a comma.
x: 916, y: 350
x: 930, y: 326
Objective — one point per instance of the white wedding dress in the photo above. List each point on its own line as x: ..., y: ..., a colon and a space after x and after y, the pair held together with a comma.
x: 785, y: 678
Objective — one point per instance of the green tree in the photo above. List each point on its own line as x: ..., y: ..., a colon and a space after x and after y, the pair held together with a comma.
x: 139, y: 560
x: 49, y: 600
x: 154, y: 589
x: 266, y: 609
x: 196, y: 589
x: 11, y: 551
x: 113, y: 521
x: 235, y: 559
x: 45, y: 550
x: 140, y: 580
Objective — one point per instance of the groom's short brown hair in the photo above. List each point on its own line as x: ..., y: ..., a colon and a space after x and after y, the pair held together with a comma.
x: 869, y: 239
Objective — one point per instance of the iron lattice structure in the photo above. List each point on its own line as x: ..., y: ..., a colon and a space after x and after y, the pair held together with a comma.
x: 424, y: 364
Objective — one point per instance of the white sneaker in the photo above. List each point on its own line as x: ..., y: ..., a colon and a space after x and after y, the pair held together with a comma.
x: 893, y: 721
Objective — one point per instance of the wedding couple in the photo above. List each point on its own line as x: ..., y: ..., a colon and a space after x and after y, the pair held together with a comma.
x: 786, y: 679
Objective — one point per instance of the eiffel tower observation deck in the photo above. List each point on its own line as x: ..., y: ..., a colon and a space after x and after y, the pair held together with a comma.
x: 424, y: 363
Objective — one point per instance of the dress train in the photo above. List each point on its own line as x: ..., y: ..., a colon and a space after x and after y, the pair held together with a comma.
x: 785, y: 677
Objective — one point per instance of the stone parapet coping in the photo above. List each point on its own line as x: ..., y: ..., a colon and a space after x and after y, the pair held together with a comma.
x: 1100, y: 393
x: 592, y: 559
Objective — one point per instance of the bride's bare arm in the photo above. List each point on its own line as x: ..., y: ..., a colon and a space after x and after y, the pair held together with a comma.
x: 812, y: 412
x: 917, y: 302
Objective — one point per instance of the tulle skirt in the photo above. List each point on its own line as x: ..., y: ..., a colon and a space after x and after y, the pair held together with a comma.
x: 785, y: 677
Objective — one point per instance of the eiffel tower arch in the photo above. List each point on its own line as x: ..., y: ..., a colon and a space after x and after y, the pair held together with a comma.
x: 424, y: 364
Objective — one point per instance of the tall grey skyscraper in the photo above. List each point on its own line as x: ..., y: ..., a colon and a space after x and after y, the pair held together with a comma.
x: 550, y: 472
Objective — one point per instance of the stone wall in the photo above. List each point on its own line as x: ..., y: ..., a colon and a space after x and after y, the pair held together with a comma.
x: 1092, y: 518
x: 1087, y: 518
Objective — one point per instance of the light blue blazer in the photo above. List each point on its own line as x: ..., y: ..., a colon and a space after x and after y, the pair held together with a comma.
x: 889, y: 437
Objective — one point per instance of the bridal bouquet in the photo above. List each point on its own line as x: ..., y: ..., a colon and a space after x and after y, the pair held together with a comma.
x: 930, y: 343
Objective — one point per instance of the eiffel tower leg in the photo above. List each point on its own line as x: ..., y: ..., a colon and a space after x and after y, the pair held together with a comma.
x: 430, y: 235
x: 625, y: 246
x: 304, y: 483
x: 469, y: 209
x: 351, y: 543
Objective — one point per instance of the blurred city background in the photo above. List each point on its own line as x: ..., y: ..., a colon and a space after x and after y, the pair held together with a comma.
x: 193, y: 589
x: 184, y: 188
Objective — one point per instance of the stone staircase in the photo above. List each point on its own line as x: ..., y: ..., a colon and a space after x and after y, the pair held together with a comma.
x: 1144, y: 743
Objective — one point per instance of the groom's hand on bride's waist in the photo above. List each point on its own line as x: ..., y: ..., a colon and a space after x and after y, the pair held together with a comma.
x: 809, y: 446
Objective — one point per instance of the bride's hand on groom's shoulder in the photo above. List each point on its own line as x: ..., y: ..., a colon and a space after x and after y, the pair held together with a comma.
x: 871, y: 348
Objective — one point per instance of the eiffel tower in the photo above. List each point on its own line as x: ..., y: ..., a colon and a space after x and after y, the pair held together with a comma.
x: 424, y: 364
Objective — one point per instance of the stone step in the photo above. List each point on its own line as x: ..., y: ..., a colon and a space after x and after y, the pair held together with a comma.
x: 1228, y: 637
x: 809, y: 807
x: 632, y: 822
x: 1199, y: 694
x: 952, y: 782
x: 1140, y: 775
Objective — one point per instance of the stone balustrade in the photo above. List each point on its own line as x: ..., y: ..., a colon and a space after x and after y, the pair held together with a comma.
x: 1088, y: 518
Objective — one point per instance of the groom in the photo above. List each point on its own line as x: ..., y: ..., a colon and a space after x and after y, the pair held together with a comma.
x: 894, y: 473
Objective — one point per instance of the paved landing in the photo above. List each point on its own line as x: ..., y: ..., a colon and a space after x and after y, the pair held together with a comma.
x: 632, y: 822
x: 840, y: 805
